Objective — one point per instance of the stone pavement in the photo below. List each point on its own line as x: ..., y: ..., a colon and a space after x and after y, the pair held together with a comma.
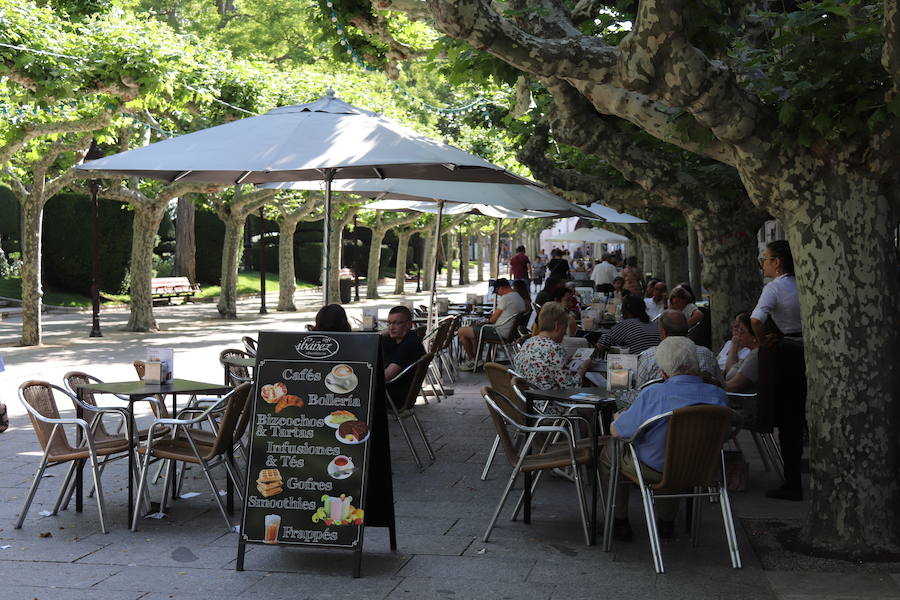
x: 441, y: 512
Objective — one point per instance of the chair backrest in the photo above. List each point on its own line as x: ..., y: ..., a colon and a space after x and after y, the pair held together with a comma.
x: 502, y: 415
x: 38, y: 399
x: 249, y: 345
x: 75, y: 379
x: 501, y: 380
x: 236, y: 374
x: 693, y: 446
x: 140, y: 368
x: 439, y: 339
x: 237, y: 403
x: 451, y: 332
x: 417, y: 373
x: 519, y: 326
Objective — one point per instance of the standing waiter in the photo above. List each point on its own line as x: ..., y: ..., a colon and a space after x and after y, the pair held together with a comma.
x: 781, y: 303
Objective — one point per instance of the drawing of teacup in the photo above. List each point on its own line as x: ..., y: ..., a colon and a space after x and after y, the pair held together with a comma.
x: 342, y: 375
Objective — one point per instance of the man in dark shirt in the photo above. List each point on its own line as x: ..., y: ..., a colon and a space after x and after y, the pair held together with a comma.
x: 519, y: 265
x: 400, y: 348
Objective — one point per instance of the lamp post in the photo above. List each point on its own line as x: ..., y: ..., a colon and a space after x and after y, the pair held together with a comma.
x: 262, y: 265
x: 93, y: 154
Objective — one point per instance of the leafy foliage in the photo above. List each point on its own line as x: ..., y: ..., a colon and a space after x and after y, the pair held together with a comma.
x: 822, y: 69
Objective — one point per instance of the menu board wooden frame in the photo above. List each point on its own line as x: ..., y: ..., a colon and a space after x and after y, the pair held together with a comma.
x: 318, y: 436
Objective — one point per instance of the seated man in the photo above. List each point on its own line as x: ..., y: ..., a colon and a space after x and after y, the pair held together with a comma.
x: 503, y: 318
x: 683, y: 386
x: 673, y: 323
x: 400, y: 347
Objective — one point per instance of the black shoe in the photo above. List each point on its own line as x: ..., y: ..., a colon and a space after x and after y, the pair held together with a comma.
x: 786, y: 493
x: 665, y: 529
x: 622, y: 530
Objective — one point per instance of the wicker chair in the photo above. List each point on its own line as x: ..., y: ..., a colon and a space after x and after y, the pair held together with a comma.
x: 185, y: 448
x: 405, y: 407
x: 500, y: 378
x: 38, y: 399
x: 693, y: 460
x: 489, y: 337
x: 506, y: 419
x: 234, y: 375
x: 250, y: 345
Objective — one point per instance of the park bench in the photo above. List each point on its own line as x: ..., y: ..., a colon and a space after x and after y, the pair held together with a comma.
x: 166, y: 288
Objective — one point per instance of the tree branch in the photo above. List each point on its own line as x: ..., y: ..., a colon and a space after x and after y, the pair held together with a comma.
x: 32, y: 131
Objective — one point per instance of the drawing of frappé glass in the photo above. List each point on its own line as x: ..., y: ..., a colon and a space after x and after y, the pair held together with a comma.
x: 273, y: 522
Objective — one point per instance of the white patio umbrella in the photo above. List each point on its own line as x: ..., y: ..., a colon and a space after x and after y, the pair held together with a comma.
x: 613, y: 216
x: 589, y: 235
x: 325, y: 140
x: 494, y: 196
x: 487, y: 210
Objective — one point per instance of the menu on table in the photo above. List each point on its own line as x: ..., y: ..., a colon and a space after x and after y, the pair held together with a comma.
x: 310, y: 435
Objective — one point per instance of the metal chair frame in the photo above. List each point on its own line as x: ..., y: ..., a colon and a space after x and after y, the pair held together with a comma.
x: 649, y: 495
x: 87, y: 443
x: 766, y: 444
x: 228, y: 403
x: 503, y: 342
x: 407, y: 408
x: 563, y: 428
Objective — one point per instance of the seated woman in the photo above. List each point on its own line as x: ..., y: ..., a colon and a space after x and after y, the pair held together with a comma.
x: 683, y: 300
x: 618, y: 285
x: 634, y: 331
x: 542, y: 359
x: 742, y: 374
x: 331, y: 318
x: 566, y: 297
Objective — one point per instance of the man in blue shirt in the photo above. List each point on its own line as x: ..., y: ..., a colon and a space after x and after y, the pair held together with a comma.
x: 683, y: 386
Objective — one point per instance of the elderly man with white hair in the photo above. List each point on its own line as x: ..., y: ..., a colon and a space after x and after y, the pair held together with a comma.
x: 683, y: 386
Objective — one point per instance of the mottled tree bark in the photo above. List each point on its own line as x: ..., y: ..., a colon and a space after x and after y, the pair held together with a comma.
x: 32, y: 291
x: 233, y: 213
x: 287, y: 279
x: 379, y: 227
x: 428, y: 265
x: 479, y: 257
x: 147, y: 218
x: 185, y: 242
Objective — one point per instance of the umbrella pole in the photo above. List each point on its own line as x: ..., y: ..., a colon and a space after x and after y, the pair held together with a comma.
x: 434, y: 260
x: 326, y: 282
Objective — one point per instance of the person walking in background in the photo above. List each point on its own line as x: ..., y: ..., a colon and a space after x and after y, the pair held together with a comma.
x: 558, y: 265
x: 519, y: 265
x: 538, y: 271
x: 604, y: 272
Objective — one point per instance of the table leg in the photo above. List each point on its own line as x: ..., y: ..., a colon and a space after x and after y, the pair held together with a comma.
x: 615, y: 458
x: 526, y: 514
x: 173, y: 465
x: 229, y: 486
x: 594, y: 472
x: 79, y: 465
x: 131, y: 435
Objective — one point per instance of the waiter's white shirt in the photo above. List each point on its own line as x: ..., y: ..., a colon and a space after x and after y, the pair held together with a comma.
x: 780, y: 299
x: 603, y: 273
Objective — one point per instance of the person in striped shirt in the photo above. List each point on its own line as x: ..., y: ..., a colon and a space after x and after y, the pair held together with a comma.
x: 634, y: 331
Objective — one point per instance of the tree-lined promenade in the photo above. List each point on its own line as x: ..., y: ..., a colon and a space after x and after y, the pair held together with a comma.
x: 726, y: 114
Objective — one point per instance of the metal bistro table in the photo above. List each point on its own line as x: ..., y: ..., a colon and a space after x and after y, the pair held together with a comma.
x: 135, y: 391
x: 594, y: 397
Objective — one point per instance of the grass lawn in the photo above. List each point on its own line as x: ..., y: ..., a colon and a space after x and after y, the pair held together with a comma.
x: 248, y: 283
x: 12, y: 288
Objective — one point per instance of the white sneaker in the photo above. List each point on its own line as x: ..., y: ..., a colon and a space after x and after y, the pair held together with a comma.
x: 469, y: 365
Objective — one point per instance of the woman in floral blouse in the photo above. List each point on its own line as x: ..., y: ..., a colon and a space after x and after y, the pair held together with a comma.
x: 542, y: 360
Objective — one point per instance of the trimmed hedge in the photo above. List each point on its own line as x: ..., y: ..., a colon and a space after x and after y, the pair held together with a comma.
x: 66, y: 243
x: 209, y: 232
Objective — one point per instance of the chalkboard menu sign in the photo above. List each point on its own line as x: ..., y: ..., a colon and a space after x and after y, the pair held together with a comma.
x: 311, y: 439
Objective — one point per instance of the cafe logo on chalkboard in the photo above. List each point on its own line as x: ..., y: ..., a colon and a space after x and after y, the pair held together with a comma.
x: 317, y: 346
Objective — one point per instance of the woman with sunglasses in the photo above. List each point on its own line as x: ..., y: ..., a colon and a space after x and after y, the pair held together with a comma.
x: 780, y: 304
